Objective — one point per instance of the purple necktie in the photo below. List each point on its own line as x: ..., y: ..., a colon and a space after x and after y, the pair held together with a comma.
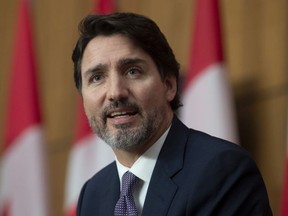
x: 126, y: 205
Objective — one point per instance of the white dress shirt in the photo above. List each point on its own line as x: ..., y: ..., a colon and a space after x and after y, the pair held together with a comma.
x: 143, y: 169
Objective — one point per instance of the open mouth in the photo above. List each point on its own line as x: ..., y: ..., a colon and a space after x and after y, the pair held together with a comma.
x: 121, y: 114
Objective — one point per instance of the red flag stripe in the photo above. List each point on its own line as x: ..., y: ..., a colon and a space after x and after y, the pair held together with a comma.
x: 6, y: 210
x: 82, y: 127
x: 105, y: 6
x: 23, y: 134
x: 23, y: 105
x: 284, y: 201
x: 206, y: 47
x: 71, y: 212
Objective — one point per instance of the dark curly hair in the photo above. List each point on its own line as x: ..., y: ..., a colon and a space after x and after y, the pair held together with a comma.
x: 142, y: 31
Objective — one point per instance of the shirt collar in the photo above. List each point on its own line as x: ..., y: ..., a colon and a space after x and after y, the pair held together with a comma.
x: 144, y: 165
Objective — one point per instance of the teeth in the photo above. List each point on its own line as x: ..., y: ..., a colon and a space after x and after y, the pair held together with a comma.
x: 117, y: 114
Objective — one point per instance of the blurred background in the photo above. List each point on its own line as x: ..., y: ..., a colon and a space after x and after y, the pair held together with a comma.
x: 255, y: 44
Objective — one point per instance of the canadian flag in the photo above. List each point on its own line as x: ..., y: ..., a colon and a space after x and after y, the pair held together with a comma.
x: 89, y: 154
x: 206, y: 96
x: 23, y: 187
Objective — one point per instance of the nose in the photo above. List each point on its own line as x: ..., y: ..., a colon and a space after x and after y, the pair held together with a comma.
x: 117, y: 88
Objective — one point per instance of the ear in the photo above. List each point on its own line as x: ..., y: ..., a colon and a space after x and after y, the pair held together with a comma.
x: 171, y: 87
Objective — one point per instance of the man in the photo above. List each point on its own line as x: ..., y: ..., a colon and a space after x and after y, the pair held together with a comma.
x: 127, y: 75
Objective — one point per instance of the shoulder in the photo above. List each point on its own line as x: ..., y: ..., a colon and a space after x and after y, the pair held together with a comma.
x: 197, y: 153
x: 227, y: 171
x: 200, y: 142
x: 104, y: 174
x: 211, y: 144
x: 204, y: 150
x: 224, y: 162
x: 209, y: 149
x: 98, y: 184
x: 103, y: 187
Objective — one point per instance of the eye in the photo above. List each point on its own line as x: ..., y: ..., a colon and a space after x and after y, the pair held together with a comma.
x: 133, y: 71
x: 95, y: 78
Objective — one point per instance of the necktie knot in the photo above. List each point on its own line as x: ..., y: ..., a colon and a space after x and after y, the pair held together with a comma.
x: 126, y: 204
x: 129, y: 180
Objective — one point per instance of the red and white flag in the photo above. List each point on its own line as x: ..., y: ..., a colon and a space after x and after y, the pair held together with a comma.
x: 22, y: 185
x: 206, y: 96
x: 89, y: 154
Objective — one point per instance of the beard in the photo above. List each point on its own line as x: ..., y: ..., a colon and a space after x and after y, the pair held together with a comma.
x: 127, y: 137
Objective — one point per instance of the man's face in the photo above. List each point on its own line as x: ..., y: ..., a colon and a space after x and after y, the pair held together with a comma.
x: 125, y: 100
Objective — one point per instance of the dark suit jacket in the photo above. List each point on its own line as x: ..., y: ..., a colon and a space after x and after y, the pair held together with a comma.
x: 195, y: 174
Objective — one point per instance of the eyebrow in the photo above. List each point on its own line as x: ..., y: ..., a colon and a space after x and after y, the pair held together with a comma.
x: 129, y: 61
x: 94, y: 69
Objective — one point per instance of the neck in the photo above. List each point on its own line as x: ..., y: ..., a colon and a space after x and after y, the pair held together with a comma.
x: 127, y: 157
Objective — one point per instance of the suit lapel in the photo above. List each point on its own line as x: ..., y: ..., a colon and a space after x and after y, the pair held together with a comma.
x: 170, y: 161
x: 160, y: 194
x: 111, y: 192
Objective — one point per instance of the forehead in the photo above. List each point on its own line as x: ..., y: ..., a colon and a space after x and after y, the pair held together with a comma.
x: 110, y: 49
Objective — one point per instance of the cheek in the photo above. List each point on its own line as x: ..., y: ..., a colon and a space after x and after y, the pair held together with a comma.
x: 87, y: 108
x: 151, y: 95
x: 91, y: 104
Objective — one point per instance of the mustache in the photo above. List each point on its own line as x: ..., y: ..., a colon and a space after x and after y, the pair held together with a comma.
x: 120, y: 104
